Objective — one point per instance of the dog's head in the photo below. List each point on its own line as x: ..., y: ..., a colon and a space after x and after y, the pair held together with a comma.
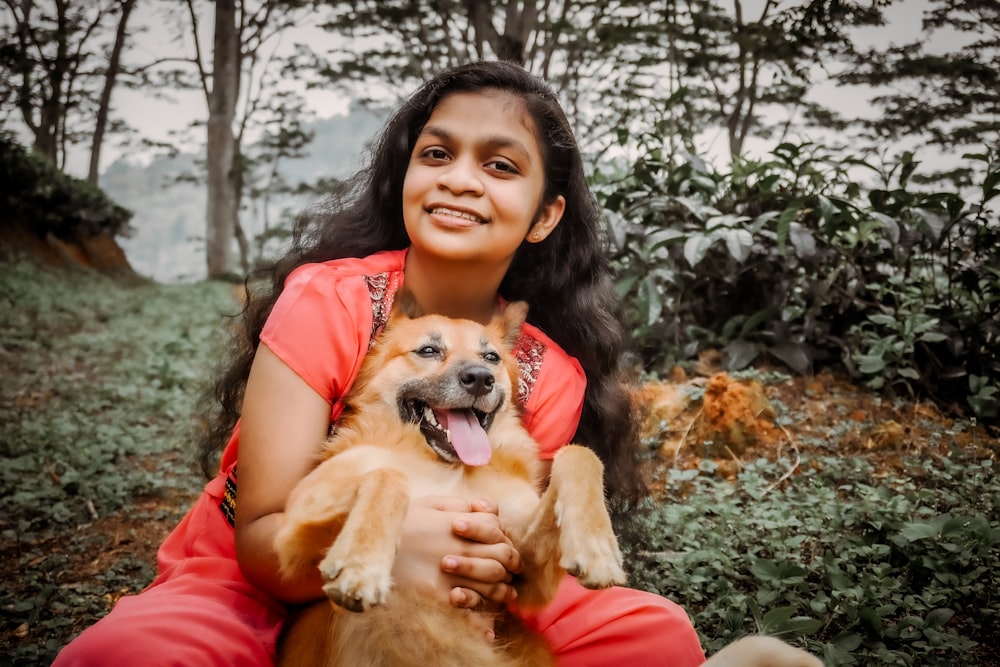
x: 450, y: 377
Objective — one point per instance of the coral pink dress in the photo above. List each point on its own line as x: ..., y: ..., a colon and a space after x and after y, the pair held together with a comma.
x: 201, y: 611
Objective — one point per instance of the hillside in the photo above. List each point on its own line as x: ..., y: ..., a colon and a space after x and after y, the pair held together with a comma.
x: 167, y: 196
x: 865, y: 529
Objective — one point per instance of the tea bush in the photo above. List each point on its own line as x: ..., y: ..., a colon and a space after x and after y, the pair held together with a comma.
x: 36, y: 194
x: 795, y: 257
x: 861, y: 568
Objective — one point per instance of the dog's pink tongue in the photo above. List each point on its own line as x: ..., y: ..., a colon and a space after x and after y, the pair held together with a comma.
x: 467, y: 436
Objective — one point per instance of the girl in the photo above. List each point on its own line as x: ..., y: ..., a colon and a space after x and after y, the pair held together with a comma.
x: 475, y: 194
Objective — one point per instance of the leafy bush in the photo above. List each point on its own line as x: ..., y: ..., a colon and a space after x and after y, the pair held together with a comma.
x: 34, y: 193
x: 861, y: 568
x: 793, y: 257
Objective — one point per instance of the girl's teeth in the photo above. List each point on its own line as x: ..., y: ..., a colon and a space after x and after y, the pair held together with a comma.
x: 457, y: 214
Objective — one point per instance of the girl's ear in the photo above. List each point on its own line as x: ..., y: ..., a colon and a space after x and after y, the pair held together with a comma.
x: 548, y: 218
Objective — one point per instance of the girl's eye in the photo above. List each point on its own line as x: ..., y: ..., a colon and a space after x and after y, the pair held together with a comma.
x: 434, y: 154
x: 502, y: 166
x: 428, y: 351
x: 491, y: 358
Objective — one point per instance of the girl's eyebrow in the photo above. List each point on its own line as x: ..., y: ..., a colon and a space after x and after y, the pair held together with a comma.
x: 491, y: 141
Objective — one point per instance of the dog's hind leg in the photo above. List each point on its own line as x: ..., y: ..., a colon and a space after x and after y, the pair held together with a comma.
x: 349, y: 526
x: 570, y: 531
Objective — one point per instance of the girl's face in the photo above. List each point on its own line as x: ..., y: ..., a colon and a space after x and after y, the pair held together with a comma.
x: 474, y: 184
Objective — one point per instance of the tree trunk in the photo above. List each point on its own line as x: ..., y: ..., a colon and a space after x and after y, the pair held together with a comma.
x: 223, y: 203
x: 52, y: 108
x: 114, y: 65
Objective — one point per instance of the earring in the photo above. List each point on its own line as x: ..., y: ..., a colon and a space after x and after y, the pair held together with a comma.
x: 536, y: 235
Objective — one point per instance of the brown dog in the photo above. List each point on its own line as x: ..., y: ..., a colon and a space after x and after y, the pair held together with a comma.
x: 433, y: 412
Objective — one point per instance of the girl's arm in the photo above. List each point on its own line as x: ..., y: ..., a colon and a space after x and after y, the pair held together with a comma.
x: 454, y: 548
x: 283, y: 424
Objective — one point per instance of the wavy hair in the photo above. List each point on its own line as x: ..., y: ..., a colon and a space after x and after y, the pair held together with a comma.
x: 565, y: 279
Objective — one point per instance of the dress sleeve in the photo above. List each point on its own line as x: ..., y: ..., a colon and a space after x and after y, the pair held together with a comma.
x: 552, y: 411
x: 320, y: 326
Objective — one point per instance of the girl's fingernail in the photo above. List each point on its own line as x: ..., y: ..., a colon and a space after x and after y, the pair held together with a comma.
x: 450, y: 563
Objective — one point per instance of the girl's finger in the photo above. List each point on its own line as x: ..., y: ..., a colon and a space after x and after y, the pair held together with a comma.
x: 484, y: 528
x: 479, y: 596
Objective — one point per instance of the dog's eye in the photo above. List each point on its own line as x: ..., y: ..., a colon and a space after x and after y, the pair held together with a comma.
x: 428, y: 351
x: 491, y: 358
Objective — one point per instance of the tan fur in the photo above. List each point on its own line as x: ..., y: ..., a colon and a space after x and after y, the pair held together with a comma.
x: 762, y: 652
x: 346, y: 516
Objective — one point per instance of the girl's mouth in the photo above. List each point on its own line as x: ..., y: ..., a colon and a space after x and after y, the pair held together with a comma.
x: 472, y: 217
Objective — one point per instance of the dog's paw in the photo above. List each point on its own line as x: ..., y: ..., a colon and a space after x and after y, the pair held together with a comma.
x: 596, y: 567
x: 594, y: 559
x: 354, y: 586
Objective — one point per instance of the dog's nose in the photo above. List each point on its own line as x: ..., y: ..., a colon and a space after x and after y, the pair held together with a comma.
x: 477, y: 380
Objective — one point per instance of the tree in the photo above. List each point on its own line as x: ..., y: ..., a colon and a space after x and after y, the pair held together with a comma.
x: 245, y: 33
x: 221, y: 149
x: 591, y: 51
x: 728, y: 68
x: 52, y: 63
x: 110, y: 80
x: 946, y: 96
x: 679, y: 66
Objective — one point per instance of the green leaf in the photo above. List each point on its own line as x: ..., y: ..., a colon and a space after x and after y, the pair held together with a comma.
x: 914, y: 532
x: 695, y: 249
x: 938, y: 617
x: 790, y: 213
x: 870, y: 364
x: 650, y: 294
x: 739, y: 242
x: 802, y: 240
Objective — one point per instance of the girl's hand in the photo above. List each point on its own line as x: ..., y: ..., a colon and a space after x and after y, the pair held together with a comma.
x: 457, y: 551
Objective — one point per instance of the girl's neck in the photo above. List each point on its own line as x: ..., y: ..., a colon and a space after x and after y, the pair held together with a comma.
x: 452, y: 289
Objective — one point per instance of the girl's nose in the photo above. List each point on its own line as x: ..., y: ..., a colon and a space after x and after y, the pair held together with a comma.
x: 461, y: 177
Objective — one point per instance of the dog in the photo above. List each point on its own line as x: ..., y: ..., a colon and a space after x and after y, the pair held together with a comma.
x: 434, y: 411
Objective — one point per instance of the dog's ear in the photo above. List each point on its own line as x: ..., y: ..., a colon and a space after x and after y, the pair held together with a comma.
x: 405, y: 305
x: 514, y: 316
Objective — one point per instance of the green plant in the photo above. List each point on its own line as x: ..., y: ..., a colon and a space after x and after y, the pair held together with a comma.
x: 96, y: 399
x: 36, y: 194
x: 792, y: 257
x: 891, y: 572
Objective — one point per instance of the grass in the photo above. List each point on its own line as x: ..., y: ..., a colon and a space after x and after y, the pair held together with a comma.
x: 96, y: 402
x: 863, y: 563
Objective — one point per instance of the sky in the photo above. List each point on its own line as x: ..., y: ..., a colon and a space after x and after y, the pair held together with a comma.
x: 157, y: 118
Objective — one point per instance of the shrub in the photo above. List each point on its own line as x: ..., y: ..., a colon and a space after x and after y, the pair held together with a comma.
x: 35, y: 194
x: 791, y: 256
x: 864, y: 568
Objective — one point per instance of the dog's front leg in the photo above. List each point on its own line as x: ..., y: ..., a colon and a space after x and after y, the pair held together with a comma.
x: 348, y: 525
x: 570, y: 531
x: 357, y: 568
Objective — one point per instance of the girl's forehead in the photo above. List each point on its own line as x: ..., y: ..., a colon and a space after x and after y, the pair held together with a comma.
x: 499, y: 105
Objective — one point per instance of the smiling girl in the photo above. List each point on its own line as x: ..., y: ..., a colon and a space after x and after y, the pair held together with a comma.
x: 474, y: 196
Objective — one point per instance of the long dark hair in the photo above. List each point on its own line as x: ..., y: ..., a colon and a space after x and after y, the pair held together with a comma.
x: 565, y: 279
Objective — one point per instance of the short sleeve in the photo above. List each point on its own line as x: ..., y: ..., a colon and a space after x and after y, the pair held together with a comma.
x: 320, y: 327
x: 555, y: 402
